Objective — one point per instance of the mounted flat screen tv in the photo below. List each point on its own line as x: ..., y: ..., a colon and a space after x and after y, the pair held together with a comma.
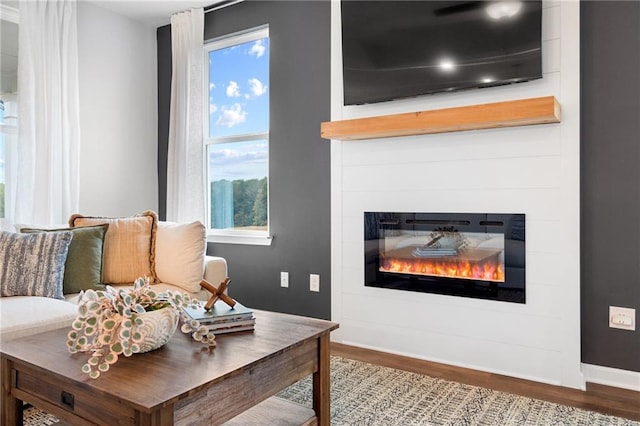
x: 400, y: 49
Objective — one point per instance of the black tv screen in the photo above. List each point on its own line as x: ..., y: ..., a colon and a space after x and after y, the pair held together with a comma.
x: 400, y: 49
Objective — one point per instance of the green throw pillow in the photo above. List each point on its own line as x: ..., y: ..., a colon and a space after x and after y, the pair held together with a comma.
x: 83, y: 269
x: 33, y: 265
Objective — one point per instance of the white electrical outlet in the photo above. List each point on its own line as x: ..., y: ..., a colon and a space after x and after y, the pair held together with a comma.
x: 284, y: 279
x: 623, y: 318
x: 314, y: 282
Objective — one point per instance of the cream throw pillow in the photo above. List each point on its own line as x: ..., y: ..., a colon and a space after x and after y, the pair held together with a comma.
x: 128, y: 251
x: 180, y: 252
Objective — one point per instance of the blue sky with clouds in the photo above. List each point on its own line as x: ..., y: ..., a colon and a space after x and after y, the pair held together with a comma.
x: 238, y: 105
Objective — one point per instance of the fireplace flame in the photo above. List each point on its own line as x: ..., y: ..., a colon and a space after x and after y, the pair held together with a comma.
x: 490, y: 270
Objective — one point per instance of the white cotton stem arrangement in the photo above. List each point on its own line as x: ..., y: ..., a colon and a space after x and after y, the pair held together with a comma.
x: 121, y: 322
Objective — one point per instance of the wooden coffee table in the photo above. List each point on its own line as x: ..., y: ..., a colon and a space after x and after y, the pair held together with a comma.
x: 182, y: 383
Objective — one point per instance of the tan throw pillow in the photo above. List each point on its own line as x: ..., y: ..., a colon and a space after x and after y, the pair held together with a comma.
x: 180, y: 252
x: 128, y: 246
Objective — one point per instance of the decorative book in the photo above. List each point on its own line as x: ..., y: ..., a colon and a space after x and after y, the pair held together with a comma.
x: 222, y: 318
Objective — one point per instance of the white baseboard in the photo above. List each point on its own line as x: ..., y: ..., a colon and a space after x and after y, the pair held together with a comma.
x: 456, y: 364
x: 611, y: 377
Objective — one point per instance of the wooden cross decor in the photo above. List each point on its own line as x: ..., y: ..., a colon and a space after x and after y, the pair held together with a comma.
x: 217, y: 293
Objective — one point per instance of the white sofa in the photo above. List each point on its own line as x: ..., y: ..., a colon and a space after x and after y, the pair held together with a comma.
x: 174, y: 255
x: 26, y: 315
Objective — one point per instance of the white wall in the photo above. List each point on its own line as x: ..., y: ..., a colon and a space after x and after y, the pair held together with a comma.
x: 118, y: 117
x: 532, y: 170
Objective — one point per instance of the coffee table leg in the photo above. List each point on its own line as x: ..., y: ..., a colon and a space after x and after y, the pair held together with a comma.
x: 322, y: 382
x: 10, y: 407
x: 161, y: 417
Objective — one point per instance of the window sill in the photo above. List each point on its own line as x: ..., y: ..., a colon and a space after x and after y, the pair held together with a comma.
x: 252, y: 240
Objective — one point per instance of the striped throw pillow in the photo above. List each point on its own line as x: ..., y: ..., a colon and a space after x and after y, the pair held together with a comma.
x: 33, y: 264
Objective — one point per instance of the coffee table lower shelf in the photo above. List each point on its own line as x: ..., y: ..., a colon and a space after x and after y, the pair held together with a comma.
x: 272, y: 411
x: 276, y: 411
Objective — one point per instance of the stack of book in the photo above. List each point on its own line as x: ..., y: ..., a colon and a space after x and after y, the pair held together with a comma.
x: 222, y: 318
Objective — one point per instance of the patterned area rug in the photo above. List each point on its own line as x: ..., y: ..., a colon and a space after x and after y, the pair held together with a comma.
x: 366, y: 394
x: 34, y: 417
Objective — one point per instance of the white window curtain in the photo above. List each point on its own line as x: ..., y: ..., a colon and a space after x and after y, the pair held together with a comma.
x: 185, y: 165
x: 47, y: 169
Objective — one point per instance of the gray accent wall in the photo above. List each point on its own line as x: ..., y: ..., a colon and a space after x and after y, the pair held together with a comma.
x: 300, y: 167
x: 299, y: 159
x: 610, y: 179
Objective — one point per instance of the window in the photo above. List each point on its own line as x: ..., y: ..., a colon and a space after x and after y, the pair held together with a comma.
x: 8, y: 108
x: 237, y: 135
x: 8, y: 144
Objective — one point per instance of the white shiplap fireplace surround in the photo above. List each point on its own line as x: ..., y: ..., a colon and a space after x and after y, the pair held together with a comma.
x: 530, y: 169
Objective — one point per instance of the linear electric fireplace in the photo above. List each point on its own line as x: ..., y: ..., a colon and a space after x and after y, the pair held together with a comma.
x: 480, y: 255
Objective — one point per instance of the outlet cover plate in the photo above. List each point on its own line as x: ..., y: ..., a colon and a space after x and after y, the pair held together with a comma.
x: 314, y: 282
x: 622, y: 318
x: 284, y: 279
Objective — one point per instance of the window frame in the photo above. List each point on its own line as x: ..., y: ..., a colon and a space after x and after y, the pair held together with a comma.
x: 232, y: 236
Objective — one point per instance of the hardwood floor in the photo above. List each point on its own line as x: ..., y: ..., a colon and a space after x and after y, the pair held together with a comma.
x: 604, y: 399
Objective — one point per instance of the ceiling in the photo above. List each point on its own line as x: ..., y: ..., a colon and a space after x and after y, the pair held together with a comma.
x: 151, y: 12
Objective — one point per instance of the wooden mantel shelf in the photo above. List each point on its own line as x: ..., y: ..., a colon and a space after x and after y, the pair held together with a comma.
x: 522, y: 112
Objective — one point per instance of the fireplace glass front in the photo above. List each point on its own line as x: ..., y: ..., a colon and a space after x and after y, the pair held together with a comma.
x: 478, y: 255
